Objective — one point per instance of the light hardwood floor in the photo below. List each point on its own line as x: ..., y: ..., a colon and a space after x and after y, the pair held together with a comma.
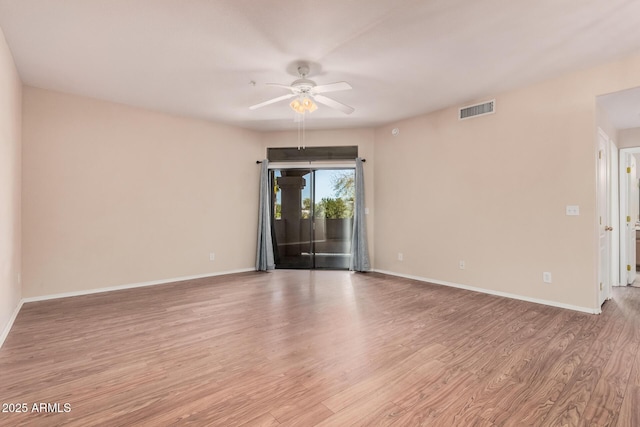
x: 323, y: 348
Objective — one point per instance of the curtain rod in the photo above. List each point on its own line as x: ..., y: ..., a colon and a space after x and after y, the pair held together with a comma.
x: 260, y: 161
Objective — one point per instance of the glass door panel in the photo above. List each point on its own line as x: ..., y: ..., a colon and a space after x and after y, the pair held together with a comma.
x: 291, y: 217
x: 334, y: 193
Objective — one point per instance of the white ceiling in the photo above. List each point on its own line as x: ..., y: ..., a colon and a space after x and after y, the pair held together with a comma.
x: 402, y: 57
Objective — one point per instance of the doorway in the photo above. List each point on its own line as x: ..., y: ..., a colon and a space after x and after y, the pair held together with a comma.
x: 312, y: 217
x: 615, y: 111
x: 629, y: 212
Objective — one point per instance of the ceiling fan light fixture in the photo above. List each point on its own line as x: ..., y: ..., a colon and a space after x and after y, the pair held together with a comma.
x: 303, y: 105
x: 297, y: 106
x: 309, y: 105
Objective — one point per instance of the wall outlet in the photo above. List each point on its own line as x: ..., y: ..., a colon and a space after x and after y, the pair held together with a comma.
x: 573, y: 210
x: 400, y: 256
x: 546, y: 277
x: 462, y: 265
x: 212, y: 256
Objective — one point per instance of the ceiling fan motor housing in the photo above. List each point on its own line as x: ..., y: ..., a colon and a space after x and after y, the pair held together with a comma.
x: 303, y: 85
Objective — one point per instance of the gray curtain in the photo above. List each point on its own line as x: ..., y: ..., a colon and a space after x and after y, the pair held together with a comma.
x: 264, y: 253
x: 359, y: 246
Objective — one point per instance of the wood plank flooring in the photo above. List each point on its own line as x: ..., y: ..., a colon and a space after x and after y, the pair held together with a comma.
x: 322, y: 348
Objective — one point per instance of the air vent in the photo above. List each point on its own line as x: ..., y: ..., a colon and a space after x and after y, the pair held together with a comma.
x: 476, y: 110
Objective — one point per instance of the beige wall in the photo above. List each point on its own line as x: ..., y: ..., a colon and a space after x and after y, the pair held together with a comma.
x: 628, y: 138
x: 492, y: 190
x: 363, y: 138
x: 115, y: 195
x: 10, y: 182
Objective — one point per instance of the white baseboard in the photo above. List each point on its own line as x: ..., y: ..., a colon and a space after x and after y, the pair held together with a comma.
x: 491, y: 292
x: 7, y: 328
x: 133, y: 285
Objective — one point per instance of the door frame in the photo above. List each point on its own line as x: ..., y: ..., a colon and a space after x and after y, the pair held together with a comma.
x: 312, y: 167
x: 614, y: 213
x: 624, y: 201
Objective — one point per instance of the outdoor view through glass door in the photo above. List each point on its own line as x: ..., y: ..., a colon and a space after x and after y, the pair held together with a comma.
x: 312, y: 217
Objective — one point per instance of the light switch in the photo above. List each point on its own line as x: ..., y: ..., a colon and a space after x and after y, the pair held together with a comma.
x: 573, y: 210
x: 366, y: 211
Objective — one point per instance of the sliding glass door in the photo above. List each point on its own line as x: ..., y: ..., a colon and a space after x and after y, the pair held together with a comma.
x: 312, y: 217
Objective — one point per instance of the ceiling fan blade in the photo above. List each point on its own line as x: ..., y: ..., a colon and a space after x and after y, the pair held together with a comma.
x: 334, y: 104
x: 331, y: 87
x: 272, y: 101
x: 282, y: 86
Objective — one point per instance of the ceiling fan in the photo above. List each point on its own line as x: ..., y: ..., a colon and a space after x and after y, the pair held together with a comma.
x: 306, y: 91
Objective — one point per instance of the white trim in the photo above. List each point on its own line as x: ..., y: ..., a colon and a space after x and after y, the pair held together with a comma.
x: 624, y: 202
x: 491, y: 292
x: 623, y: 191
x: 7, y: 329
x: 133, y: 285
x: 12, y: 319
x: 614, y: 216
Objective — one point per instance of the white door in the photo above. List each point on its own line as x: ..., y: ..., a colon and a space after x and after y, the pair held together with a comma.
x: 631, y: 217
x: 604, y: 229
x: 614, y: 216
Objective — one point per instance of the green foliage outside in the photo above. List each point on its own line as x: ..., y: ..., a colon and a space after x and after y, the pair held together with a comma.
x: 344, y: 184
x: 334, y: 209
x: 338, y: 207
x: 341, y: 206
x: 330, y: 208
